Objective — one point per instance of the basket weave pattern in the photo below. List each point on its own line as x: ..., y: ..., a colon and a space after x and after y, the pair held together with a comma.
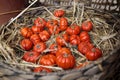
x: 112, y: 6
x: 91, y: 72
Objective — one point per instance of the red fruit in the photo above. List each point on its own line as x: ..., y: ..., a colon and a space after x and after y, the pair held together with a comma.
x: 84, y: 47
x: 62, y: 51
x: 54, y: 30
x: 39, y: 47
x: 36, y: 29
x: 44, y: 35
x: 31, y: 56
x: 63, y: 21
x: 87, y: 25
x: 59, y: 13
x: 51, y: 23
x: 84, y: 36
x: 74, y: 39
x: 26, y: 44
x: 61, y: 40
x: 40, y: 22
x: 94, y: 54
x: 35, y: 38
x: 73, y: 30
x: 48, y: 60
x: 42, y: 69
x: 63, y: 27
x: 26, y: 32
x: 54, y: 47
x: 65, y: 61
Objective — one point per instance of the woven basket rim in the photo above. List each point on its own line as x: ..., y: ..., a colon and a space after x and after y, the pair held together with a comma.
x: 94, y: 63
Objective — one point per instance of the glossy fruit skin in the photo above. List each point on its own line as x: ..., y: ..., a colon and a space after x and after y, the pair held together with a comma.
x: 31, y: 56
x: 73, y: 30
x: 61, y: 40
x: 48, y: 60
x: 36, y: 29
x: 40, y: 22
x: 84, y: 36
x: 65, y: 61
x: 54, y: 47
x: 63, y: 24
x: 51, y: 23
x: 63, y: 27
x: 66, y: 37
x: 63, y: 51
x: 44, y: 35
x: 57, y: 31
x: 26, y: 44
x: 84, y: 47
x: 39, y: 47
x: 59, y: 13
x: 94, y: 54
x: 63, y: 21
x: 35, y: 39
x: 26, y: 32
x: 74, y: 39
x: 87, y: 25
x: 42, y: 69
x: 54, y: 30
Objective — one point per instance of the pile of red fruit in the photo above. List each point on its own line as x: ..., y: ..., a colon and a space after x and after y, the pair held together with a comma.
x: 58, y: 54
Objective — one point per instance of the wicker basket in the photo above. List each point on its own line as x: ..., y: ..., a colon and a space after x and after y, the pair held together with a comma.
x: 112, y: 6
x: 93, y: 71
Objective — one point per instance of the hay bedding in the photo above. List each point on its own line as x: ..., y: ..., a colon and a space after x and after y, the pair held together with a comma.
x: 104, y: 35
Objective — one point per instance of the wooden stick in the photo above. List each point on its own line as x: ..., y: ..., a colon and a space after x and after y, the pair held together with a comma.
x: 35, y: 65
x: 10, y: 12
x: 13, y: 19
